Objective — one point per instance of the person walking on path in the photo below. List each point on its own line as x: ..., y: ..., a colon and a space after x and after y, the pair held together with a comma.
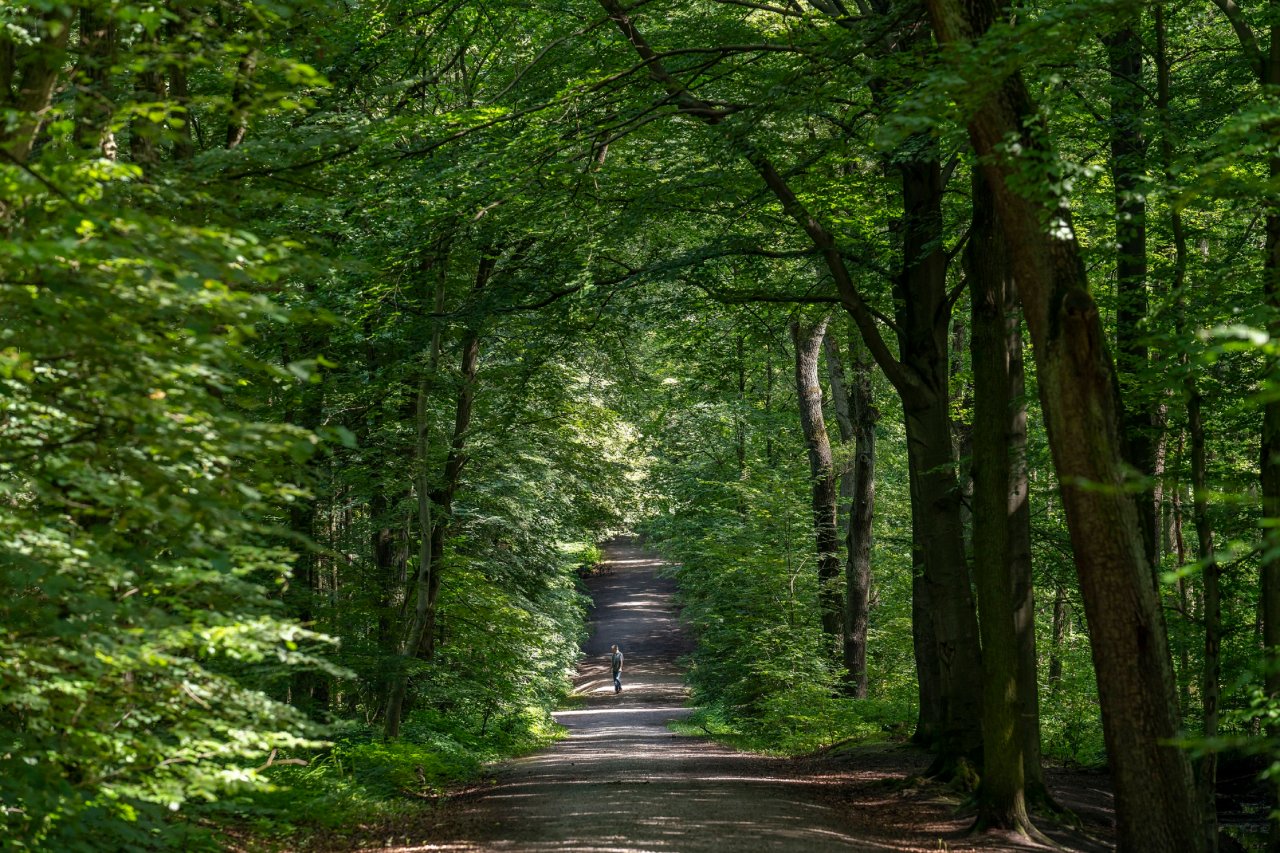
x: 617, y: 670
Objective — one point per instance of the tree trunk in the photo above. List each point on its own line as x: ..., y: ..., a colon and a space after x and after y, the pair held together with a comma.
x: 1271, y: 443
x: 1128, y: 170
x: 857, y: 417
x: 144, y: 134
x: 241, y: 99
x: 30, y: 73
x: 1155, y: 800
x: 822, y: 475
x: 1061, y: 613
x: 1211, y: 684
x: 1024, y: 599
x: 1001, y: 792
x: 309, y: 690
x: 923, y: 315
x: 180, y: 89
x: 740, y: 420
x: 456, y: 459
x: 93, y: 102
x: 962, y: 430
x: 427, y: 526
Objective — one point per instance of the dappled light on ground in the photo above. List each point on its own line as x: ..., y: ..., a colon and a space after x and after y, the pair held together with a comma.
x: 623, y: 782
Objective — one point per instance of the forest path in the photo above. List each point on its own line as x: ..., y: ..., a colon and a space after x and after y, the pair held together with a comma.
x: 622, y: 782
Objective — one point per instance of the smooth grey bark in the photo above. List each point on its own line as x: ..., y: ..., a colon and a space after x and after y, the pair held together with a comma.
x: 807, y: 341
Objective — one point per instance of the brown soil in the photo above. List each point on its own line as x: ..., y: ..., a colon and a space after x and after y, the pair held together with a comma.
x: 622, y: 781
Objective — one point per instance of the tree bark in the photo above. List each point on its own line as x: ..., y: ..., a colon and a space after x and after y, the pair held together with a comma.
x: 1001, y: 792
x: 180, y: 89
x: 1155, y: 800
x: 923, y: 321
x: 34, y: 68
x: 309, y: 690
x: 241, y: 99
x: 1020, y: 567
x: 92, y: 76
x: 1267, y: 66
x: 1061, y: 613
x: 438, y: 262
x: 442, y: 498
x: 144, y: 134
x: 1128, y: 170
x: 807, y: 341
x: 1211, y: 683
x: 857, y: 417
x: 1271, y: 441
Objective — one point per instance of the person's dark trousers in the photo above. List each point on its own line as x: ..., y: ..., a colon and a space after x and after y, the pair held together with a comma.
x: 617, y: 682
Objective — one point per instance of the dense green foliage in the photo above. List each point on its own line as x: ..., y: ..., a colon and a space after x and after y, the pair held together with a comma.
x: 334, y: 337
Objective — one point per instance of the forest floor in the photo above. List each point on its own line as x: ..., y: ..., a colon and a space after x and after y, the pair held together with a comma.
x: 622, y: 781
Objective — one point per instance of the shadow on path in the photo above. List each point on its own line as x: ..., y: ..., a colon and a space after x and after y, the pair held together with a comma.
x: 622, y: 782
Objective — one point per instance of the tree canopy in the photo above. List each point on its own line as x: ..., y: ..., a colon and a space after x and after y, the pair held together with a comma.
x: 934, y: 341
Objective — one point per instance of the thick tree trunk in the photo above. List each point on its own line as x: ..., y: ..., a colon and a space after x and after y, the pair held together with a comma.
x: 822, y: 474
x: 857, y: 417
x: 1155, y: 800
x: 923, y: 314
x: 948, y: 602
x: 1001, y: 793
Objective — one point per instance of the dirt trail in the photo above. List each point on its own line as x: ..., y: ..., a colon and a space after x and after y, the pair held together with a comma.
x: 622, y: 781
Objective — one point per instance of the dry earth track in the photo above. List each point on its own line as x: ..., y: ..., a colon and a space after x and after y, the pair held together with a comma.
x: 622, y: 782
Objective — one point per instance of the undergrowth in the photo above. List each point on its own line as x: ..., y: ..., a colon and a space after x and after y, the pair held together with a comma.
x: 824, y: 722
x: 363, y: 779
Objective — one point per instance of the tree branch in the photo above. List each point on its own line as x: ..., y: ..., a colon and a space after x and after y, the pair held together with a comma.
x: 791, y: 204
x: 1248, y: 41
